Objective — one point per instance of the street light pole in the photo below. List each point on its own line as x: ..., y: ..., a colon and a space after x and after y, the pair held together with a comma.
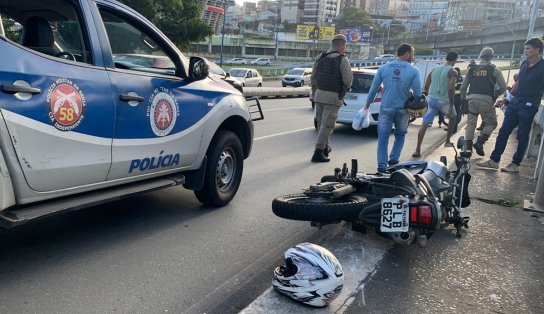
x: 512, y: 54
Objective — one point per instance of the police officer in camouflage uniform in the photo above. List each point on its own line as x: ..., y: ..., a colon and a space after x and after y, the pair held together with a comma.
x: 331, y: 79
x: 481, y: 82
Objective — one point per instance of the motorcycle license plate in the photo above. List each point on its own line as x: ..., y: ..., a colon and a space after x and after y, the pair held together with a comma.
x: 394, y: 216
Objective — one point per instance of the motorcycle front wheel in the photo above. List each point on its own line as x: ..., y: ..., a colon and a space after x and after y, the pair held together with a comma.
x: 318, y: 209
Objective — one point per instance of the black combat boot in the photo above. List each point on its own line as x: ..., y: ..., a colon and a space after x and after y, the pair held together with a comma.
x: 479, y: 145
x: 327, y: 150
x: 319, y: 157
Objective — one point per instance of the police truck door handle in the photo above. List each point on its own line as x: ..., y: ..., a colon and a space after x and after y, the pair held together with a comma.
x: 14, y: 89
x: 131, y: 98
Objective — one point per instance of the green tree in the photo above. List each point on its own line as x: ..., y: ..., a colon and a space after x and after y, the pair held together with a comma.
x: 353, y: 17
x: 179, y: 20
x: 11, y: 30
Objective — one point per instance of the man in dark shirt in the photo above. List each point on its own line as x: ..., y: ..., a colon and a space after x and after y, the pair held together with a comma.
x: 522, y: 108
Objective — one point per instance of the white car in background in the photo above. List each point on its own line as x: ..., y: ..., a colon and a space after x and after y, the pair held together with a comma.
x: 248, y: 77
x: 261, y: 61
x: 234, y: 61
x: 297, y: 77
x: 386, y: 57
x: 356, y: 98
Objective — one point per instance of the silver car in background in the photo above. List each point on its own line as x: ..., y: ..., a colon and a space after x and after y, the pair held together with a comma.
x: 297, y: 77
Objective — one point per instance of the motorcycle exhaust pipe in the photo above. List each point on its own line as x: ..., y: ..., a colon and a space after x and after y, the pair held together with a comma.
x: 403, y: 237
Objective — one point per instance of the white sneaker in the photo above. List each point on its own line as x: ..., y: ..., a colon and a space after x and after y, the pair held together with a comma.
x: 489, y: 164
x: 511, y: 167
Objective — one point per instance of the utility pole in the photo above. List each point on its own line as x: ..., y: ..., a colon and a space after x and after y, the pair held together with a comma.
x: 226, y: 4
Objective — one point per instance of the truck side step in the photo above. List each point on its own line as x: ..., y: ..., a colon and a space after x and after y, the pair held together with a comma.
x: 19, y: 215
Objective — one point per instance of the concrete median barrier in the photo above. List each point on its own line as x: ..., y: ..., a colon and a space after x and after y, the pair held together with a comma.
x: 273, y: 92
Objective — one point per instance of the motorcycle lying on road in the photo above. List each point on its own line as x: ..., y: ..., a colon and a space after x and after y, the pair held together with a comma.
x: 408, y: 203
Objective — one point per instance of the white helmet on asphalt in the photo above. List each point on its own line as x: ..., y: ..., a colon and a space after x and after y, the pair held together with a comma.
x: 311, y: 275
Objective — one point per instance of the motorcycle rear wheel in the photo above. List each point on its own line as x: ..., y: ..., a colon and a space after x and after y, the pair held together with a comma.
x: 318, y: 209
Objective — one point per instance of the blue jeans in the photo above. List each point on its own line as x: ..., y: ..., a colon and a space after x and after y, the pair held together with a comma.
x: 520, y: 115
x: 387, y: 117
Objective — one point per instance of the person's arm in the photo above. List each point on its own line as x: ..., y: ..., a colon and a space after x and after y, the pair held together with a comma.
x: 428, y: 82
x: 500, y: 81
x: 464, y: 87
x: 376, y: 82
x: 452, y: 80
x: 313, y: 78
x: 347, y: 77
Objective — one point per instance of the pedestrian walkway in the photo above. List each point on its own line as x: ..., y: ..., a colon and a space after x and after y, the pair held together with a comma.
x: 496, y: 267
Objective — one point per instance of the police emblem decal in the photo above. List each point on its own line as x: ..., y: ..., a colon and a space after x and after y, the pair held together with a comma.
x: 67, y: 104
x: 162, y: 111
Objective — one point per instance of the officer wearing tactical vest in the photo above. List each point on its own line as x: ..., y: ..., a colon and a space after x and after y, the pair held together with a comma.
x: 331, y: 79
x: 484, y: 83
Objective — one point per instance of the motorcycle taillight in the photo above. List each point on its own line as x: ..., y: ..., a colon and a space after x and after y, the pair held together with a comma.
x: 421, y: 214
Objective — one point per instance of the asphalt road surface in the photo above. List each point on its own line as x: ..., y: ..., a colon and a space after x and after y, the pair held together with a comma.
x: 164, y: 251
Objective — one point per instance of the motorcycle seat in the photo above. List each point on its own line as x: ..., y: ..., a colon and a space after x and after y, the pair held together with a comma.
x: 404, y: 178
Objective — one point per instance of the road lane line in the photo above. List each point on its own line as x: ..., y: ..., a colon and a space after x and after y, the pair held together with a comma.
x: 282, y: 133
x: 287, y: 108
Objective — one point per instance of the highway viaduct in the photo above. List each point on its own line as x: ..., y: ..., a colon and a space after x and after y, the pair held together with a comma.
x: 500, y: 37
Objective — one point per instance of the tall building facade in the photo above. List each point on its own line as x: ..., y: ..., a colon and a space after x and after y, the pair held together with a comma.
x: 393, y: 8
x: 212, y: 13
x: 318, y: 12
x: 427, y: 14
x: 460, y: 13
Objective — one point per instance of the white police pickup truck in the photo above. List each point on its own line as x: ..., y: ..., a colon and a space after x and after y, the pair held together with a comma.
x: 96, y: 103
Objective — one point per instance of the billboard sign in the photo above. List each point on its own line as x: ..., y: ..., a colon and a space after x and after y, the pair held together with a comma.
x: 315, y: 32
x: 471, y: 25
x: 357, y: 35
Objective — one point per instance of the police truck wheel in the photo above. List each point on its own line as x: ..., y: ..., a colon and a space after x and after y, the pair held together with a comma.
x: 223, y: 170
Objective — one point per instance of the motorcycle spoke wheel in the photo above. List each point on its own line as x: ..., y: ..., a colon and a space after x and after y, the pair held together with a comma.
x: 318, y: 209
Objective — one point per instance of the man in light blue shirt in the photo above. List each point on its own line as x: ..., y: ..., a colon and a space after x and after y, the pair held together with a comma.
x: 398, y: 78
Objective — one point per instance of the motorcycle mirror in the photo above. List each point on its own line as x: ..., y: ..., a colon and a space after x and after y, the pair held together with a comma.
x: 460, y: 142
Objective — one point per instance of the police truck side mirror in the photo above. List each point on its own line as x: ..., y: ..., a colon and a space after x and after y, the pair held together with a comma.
x: 198, y: 69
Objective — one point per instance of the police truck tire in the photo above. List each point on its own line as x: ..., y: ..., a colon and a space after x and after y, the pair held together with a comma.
x: 318, y: 209
x: 223, y: 170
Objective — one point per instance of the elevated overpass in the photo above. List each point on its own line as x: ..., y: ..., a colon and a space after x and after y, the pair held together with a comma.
x: 499, y: 36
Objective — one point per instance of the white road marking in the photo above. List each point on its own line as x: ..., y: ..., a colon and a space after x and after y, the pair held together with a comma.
x: 359, y: 254
x: 282, y: 133
x: 287, y: 108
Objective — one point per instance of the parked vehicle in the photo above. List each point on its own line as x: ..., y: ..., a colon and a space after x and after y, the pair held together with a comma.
x: 225, y: 76
x: 248, y: 77
x: 297, y: 77
x: 103, y: 105
x: 407, y: 204
x: 385, y: 57
x: 261, y: 61
x: 236, y: 61
x: 356, y: 98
